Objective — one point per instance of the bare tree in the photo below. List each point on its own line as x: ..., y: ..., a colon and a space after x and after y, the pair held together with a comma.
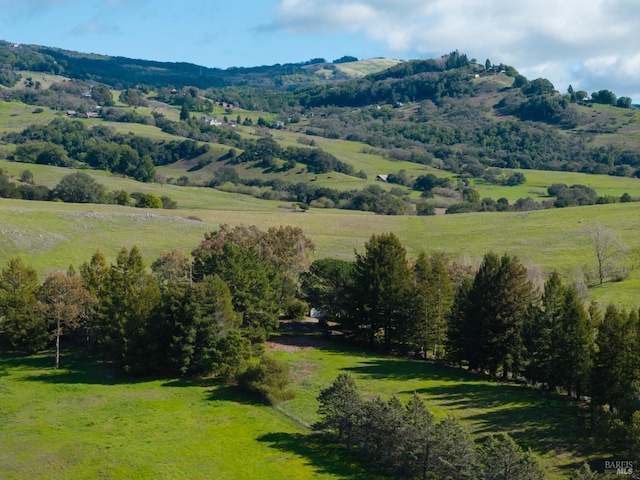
x: 607, y: 246
x: 63, y: 301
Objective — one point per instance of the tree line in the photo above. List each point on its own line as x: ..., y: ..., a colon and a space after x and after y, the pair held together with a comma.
x: 206, y: 312
x: 199, y: 314
x: 494, y: 321
x: 77, y: 187
x: 66, y: 143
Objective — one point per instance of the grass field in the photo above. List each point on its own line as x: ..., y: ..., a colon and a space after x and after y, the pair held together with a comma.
x: 53, y: 235
x: 86, y: 421
x: 366, y: 67
x: 552, y: 427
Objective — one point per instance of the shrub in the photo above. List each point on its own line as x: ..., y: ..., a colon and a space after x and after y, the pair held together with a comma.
x: 296, y: 309
x: 269, y: 379
x: 149, y: 200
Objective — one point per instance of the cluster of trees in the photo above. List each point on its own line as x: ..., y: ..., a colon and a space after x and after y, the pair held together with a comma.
x: 266, y: 150
x: 199, y: 314
x: 77, y: 188
x: 493, y: 321
x: 64, y: 142
x: 407, y: 442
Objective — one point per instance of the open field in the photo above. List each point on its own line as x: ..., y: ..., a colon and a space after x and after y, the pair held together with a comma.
x: 366, y: 67
x: 552, y: 427
x: 87, y: 421
x: 53, y: 235
x: 84, y: 421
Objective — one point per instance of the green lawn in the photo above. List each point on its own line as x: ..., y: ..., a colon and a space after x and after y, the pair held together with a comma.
x: 84, y: 421
x: 87, y: 421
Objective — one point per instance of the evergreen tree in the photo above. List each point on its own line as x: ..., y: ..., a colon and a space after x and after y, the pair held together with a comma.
x: 584, y: 473
x: 417, y: 444
x: 432, y: 298
x: 538, y: 333
x: 500, y: 458
x: 499, y: 302
x: 454, y: 452
x: 203, y: 315
x: 572, y: 343
x: 340, y: 408
x: 21, y: 321
x: 381, y: 290
x: 130, y: 297
x: 93, y: 275
x: 460, y: 343
x: 615, y: 362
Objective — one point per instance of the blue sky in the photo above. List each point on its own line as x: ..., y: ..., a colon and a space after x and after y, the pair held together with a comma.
x: 591, y: 44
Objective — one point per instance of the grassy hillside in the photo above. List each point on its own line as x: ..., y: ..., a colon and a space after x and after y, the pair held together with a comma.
x: 366, y: 67
x: 53, y: 235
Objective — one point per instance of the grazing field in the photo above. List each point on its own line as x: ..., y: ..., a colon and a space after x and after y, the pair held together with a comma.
x: 87, y: 421
x: 553, y: 427
x: 53, y: 235
x: 84, y: 421
x: 366, y: 67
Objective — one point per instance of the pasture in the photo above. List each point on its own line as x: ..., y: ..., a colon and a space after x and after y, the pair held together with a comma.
x: 51, y: 235
x: 86, y: 420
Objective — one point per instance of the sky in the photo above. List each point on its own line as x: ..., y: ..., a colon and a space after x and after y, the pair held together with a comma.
x: 590, y: 44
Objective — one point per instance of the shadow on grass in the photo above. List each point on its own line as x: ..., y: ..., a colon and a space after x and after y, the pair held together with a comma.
x: 401, y: 369
x: 324, y: 457
x: 74, y: 368
x: 541, y: 421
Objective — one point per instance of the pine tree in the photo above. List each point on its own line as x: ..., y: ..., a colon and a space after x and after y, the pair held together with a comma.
x: 202, y: 314
x: 418, y: 442
x: 340, y: 407
x: 501, y: 458
x: 538, y: 333
x: 499, y: 302
x: 614, y: 366
x: 572, y: 342
x: 381, y: 290
x: 21, y: 321
x: 129, y: 298
x: 454, y: 452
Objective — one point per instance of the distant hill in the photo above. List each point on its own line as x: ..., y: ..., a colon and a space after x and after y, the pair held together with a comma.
x: 129, y: 72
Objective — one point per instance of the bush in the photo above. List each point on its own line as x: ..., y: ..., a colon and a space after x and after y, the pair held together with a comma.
x: 424, y: 208
x: 149, y: 200
x: 269, y: 379
x: 296, y: 309
x: 168, y: 203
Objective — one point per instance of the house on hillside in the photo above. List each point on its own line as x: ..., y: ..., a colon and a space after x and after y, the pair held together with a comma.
x: 382, y: 178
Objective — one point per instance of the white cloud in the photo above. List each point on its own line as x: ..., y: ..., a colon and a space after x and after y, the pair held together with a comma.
x: 560, y: 39
x: 91, y: 28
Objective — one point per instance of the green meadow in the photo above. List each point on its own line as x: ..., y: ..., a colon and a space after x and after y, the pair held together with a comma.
x: 53, y: 235
x: 552, y: 427
x: 85, y: 420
